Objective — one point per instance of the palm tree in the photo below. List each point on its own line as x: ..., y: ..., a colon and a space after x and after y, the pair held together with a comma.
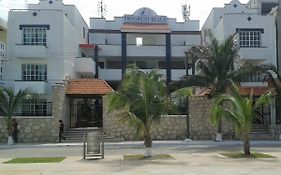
x: 141, y: 100
x: 10, y: 102
x: 217, y: 66
x: 184, y: 94
x: 241, y: 112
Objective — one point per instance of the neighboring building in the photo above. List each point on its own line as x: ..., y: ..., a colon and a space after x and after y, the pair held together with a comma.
x: 254, y: 28
x: 3, y: 41
x: 42, y: 47
x: 144, y: 38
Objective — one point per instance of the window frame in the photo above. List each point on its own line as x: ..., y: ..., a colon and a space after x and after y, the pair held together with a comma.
x: 34, y: 72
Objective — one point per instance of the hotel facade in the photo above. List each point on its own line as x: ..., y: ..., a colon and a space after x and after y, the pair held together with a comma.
x: 72, y: 66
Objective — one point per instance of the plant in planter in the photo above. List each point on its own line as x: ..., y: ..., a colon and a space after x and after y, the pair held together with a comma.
x: 9, y: 103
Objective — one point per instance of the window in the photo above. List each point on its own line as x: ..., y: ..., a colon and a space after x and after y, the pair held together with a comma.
x: 139, y: 41
x: 35, y: 108
x: 34, y: 35
x: 34, y: 72
x: 250, y: 38
x: 84, y: 32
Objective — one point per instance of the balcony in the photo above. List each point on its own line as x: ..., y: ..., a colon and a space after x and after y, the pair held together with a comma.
x: 178, y: 51
x: 38, y: 87
x: 30, y: 51
x: 110, y: 74
x: 85, y: 66
x: 146, y: 51
x: 116, y: 74
x: 109, y: 50
x: 255, y: 53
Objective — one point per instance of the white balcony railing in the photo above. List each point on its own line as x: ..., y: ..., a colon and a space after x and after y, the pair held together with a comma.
x: 146, y: 51
x: 258, y: 53
x: 30, y: 51
x: 85, y: 66
x: 178, y: 51
x: 109, y: 50
x: 116, y: 74
x: 110, y: 74
x: 38, y: 87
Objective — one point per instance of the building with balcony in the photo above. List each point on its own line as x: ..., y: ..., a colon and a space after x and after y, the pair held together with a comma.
x: 3, y: 41
x: 253, y: 25
x: 149, y: 40
x: 42, y: 47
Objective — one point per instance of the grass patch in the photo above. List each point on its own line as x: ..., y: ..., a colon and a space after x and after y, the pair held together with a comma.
x: 37, y: 160
x: 253, y: 155
x: 141, y: 157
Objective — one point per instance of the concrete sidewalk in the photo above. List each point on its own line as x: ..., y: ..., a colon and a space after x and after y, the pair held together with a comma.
x: 197, y: 157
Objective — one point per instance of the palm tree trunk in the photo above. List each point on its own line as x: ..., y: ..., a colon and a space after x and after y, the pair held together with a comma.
x: 147, y: 145
x: 219, y: 131
x: 246, y: 145
x: 187, y: 118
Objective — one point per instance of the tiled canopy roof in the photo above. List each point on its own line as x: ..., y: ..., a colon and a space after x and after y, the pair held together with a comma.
x: 87, y: 46
x: 146, y: 27
x: 257, y: 91
x: 88, y: 87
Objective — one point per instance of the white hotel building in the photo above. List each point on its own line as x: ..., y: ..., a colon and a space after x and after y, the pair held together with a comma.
x: 43, y: 42
x: 144, y: 38
x: 50, y: 50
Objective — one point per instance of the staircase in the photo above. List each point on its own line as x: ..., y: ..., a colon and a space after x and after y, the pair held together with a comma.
x: 76, y: 135
x: 261, y: 132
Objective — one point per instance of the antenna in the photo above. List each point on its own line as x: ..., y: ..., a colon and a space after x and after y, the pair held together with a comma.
x: 185, y: 11
x: 101, y: 9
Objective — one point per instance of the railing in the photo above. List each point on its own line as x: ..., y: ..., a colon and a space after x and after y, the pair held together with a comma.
x: 33, y: 109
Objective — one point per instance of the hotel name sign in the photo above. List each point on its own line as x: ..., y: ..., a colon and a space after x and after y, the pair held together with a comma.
x: 145, y: 19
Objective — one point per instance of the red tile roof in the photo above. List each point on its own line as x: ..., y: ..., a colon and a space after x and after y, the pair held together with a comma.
x: 258, y: 91
x: 146, y: 27
x: 87, y: 46
x: 88, y: 87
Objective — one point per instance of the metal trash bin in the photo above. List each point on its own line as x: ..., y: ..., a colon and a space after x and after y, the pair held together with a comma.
x: 93, y: 144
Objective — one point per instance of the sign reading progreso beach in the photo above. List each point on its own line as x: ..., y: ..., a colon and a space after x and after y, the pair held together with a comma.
x: 145, y: 15
x: 145, y: 19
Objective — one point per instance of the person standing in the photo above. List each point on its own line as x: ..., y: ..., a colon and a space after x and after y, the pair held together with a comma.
x: 15, y: 130
x: 61, y: 130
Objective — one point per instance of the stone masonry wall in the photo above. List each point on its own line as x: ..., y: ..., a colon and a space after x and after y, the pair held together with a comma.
x: 200, y: 123
x: 173, y: 127
x: 39, y: 129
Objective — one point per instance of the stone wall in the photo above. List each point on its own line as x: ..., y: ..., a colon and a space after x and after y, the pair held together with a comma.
x: 200, y: 123
x: 40, y: 129
x: 173, y: 127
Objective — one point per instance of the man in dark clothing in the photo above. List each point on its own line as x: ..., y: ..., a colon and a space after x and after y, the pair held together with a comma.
x: 61, y: 127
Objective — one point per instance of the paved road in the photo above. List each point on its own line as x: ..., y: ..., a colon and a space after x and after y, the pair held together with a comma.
x: 198, y: 157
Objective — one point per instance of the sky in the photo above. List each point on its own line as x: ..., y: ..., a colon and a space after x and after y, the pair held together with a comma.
x: 200, y: 9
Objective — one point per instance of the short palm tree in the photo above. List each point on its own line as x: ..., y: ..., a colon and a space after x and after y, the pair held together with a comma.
x: 241, y: 111
x: 141, y: 100
x: 10, y: 102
